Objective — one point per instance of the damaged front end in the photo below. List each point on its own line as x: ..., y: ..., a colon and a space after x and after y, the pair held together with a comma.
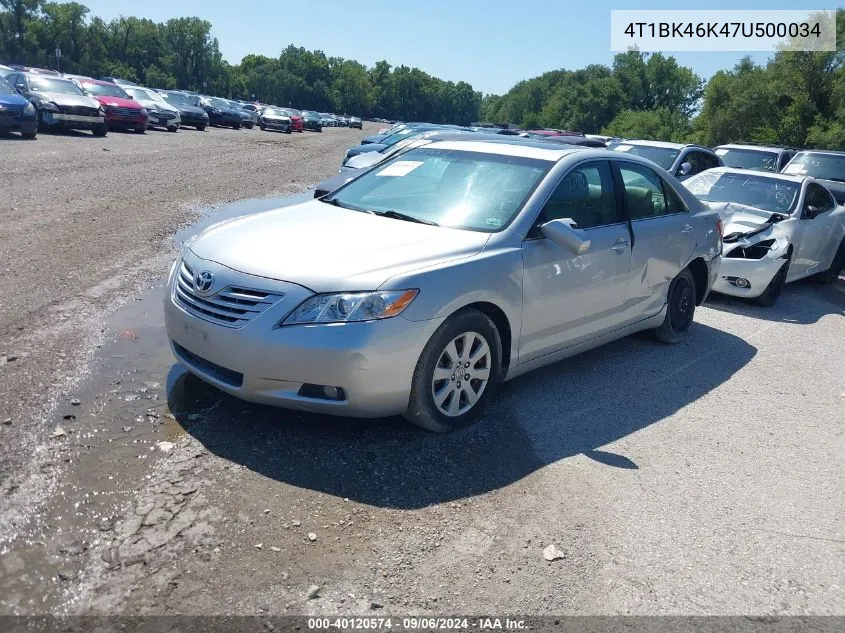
x: 755, y: 249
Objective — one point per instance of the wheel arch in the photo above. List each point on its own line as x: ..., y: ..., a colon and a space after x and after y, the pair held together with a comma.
x: 502, y: 323
x: 701, y: 274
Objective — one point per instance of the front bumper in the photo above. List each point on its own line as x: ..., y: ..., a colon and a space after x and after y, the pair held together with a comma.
x: 164, y: 120
x: 74, y: 121
x: 373, y: 362
x: 276, y: 125
x: 757, y: 272
x: 27, y: 125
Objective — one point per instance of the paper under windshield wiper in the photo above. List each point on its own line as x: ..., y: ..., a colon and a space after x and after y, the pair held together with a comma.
x: 396, y: 215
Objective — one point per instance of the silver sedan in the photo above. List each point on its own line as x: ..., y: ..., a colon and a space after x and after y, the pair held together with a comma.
x: 419, y: 286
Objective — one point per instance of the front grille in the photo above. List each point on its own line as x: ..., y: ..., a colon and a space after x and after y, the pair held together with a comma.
x: 128, y: 113
x: 80, y: 110
x: 231, y: 307
x: 228, y: 376
x: 165, y: 115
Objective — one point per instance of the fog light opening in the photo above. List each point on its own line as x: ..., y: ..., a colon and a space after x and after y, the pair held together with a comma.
x: 322, y: 392
x: 739, y: 282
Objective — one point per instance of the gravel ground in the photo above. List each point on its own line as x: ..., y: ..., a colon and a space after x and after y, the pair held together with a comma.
x: 703, y: 478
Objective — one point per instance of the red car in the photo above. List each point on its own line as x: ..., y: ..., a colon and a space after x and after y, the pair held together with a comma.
x: 122, y: 111
x: 296, y: 122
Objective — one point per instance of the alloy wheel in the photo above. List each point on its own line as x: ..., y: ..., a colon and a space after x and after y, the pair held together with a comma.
x: 461, y: 374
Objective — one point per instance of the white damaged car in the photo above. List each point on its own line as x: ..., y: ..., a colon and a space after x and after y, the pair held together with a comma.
x: 778, y: 228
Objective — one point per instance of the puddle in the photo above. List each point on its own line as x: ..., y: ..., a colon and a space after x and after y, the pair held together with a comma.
x: 114, y: 426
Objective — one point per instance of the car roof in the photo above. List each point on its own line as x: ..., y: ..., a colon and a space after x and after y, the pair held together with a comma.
x: 97, y: 82
x: 502, y: 147
x: 28, y: 73
x: 758, y: 174
x: 775, y: 148
x: 664, y: 144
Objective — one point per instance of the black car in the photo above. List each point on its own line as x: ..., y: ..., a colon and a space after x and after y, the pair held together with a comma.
x: 312, y: 121
x: 221, y: 113
x: 60, y: 103
x: 189, y: 108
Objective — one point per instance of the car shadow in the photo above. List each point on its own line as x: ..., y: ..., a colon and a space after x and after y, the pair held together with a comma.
x: 574, y: 407
x: 15, y: 136
x: 802, y: 302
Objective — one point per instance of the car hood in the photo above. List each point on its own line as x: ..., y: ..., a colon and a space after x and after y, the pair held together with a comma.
x: 119, y: 102
x: 327, y: 248
x: 365, y: 160
x: 8, y: 99
x: 363, y: 149
x: 149, y: 104
x: 744, y: 220
x: 188, y: 109
x: 68, y: 100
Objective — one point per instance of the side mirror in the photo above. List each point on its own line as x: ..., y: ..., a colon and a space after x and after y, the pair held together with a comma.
x: 684, y: 169
x: 810, y: 212
x: 561, y: 232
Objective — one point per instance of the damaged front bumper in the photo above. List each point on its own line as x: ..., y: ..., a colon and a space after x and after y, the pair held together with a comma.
x: 748, y: 267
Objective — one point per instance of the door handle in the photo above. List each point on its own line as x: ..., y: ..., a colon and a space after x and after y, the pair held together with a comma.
x: 688, y: 228
x: 620, y: 245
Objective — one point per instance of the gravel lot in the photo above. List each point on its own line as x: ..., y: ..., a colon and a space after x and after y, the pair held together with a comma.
x: 704, y: 478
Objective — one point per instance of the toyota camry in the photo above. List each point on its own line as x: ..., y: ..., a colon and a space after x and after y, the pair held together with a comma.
x: 419, y: 286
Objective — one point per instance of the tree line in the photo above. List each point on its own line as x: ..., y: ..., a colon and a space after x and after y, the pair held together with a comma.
x: 796, y: 98
x: 182, y: 53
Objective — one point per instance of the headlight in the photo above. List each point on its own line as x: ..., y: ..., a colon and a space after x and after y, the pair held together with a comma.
x: 346, y: 307
x: 29, y: 109
x: 50, y: 107
x: 144, y: 112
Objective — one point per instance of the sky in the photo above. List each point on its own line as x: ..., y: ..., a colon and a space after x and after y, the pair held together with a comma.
x: 491, y: 44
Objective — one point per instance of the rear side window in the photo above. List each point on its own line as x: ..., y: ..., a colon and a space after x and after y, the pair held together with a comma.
x: 585, y: 194
x: 644, y: 194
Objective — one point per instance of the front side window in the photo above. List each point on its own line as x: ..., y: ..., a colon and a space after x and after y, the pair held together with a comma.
x: 818, y: 198
x: 644, y: 193
x: 475, y: 191
x: 585, y: 195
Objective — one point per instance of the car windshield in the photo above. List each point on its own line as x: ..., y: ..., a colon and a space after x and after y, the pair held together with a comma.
x: 310, y: 114
x: 105, y: 90
x: 177, y: 98
x: 274, y: 112
x: 468, y: 190
x: 218, y: 103
x: 763, y: 192
x: 818, y: 165
x: 140, y: 93
x: 50, y: 84
x: 759, y: 160
x: 6, y: 87
x: 663, y: 156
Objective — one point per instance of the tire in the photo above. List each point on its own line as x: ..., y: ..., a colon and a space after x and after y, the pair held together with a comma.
x: 454, y: 411
x: 288, y: 131
x: 320, y: 130
x: 31, y: 135
x: 200, y: 127
x: 772, y: 292
x: 832, y: 274
x: 263, y: 127
x: 236, y: 126
x: 100, y: 130
x: 248, y: 126
x: 140, y: 130
x: 680, y: 309
x: 172, y: 128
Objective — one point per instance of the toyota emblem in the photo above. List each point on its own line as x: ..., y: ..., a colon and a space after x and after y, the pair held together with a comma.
x: 203, y: 282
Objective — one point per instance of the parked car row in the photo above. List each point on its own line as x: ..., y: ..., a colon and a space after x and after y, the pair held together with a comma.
x: 33, y: 99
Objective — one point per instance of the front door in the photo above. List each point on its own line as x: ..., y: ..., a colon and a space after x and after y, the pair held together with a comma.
x: 570, y: 298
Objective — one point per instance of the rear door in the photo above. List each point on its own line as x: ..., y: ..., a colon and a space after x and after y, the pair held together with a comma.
x: 663, y: 236
x: 570, y: 298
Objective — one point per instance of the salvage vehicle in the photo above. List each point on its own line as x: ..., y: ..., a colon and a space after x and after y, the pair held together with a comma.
x: 161, y: 113
x: 356, y: 122
x: 16, y: 112
x: 778, y: 228
x: 247, y: 120
x: 221, y: 113
x: 756, y: 157
x: 826, y: 167
x: 296, y: 122
x: 122, y: 112
x: 682, y: 161
x: 275, y: 119
x: 441, y: 273
x: 190, y: 111
x: 60, y: 103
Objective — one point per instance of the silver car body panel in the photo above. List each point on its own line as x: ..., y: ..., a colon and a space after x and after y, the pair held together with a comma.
x: 555, y: 304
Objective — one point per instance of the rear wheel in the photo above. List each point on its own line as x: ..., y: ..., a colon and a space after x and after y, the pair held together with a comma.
x: 680, y: 309
x: 832, y: 274
x: 456, y: 374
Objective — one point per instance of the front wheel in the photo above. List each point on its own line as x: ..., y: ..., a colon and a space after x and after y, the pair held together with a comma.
x: 172, y: 128
x: 772, y: 292
x: 29, y: 134
x: 456, y: 374
x: 680, y: 309
x: 100, y: 130
x: 200, y: 127
x: 236, y: 126
x: 263, y: 127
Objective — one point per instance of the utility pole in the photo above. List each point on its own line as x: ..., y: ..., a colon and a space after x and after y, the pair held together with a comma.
x: 58, y: 60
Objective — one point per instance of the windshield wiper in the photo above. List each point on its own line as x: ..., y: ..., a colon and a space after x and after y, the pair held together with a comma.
x: 396, y: 215
x: 338, y: 203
